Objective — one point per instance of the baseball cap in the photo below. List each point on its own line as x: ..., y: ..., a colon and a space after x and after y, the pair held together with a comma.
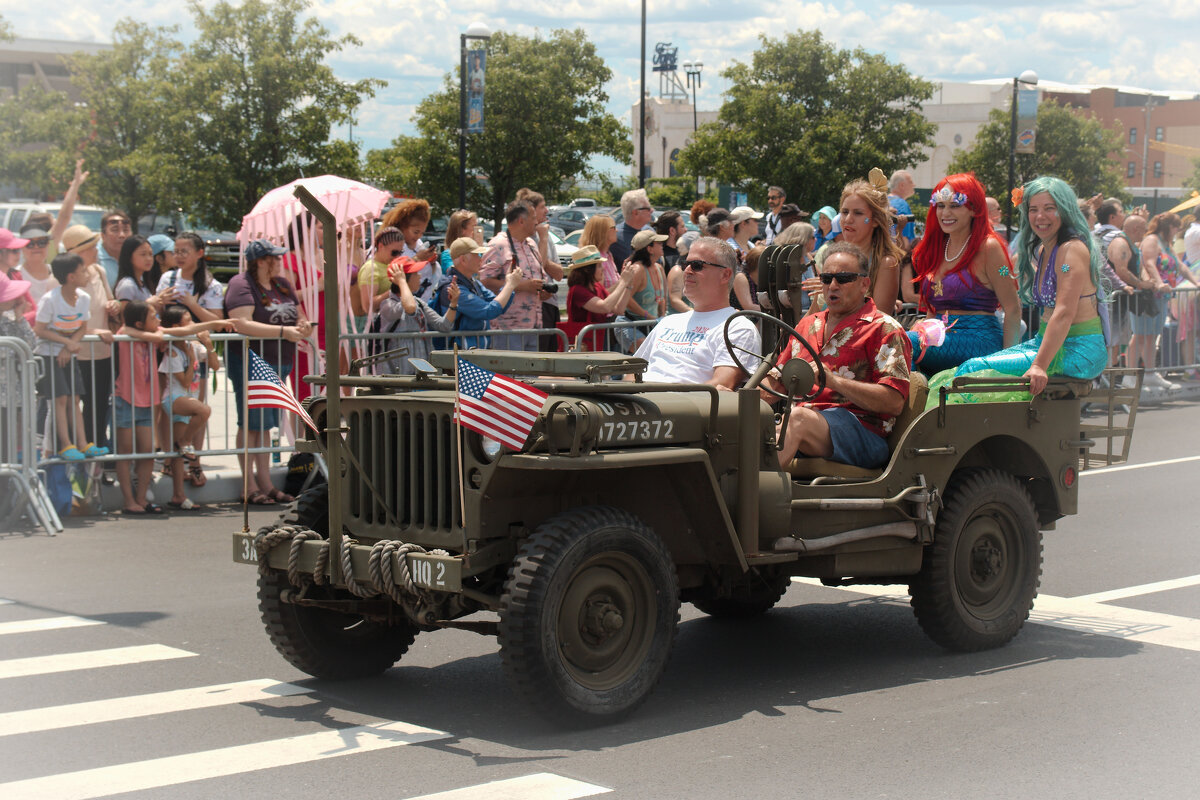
x: 160, y: 242
x: 715, y: 217
x: 78, y: 237
x: 11, y: 289
x: 10, y: 241
x: 463, y: 245
x: 261, y: 248
x: 743, y: 213
x: 644, y: 238
x: 408, y: 264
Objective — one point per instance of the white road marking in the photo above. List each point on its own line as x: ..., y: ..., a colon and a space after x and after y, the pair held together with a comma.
x: 89, y: 659
x: 540, y: 786
x: 144, y: 705
x: 1136, y: 591
x: 173, y: 770
x: 5, y: 602
x: 46, y: 624
x: 1123, y: 467
x: 1083, y: 616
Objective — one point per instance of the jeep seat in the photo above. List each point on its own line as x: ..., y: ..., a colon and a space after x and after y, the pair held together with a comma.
x: 918, y: 391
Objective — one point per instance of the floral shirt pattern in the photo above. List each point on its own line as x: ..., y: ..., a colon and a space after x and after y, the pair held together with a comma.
x: 868, y: 346
x: 526, y: 308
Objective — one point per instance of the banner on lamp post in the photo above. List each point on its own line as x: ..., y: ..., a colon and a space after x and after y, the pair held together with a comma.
x: 476, y: 66
x: 1027, y: 108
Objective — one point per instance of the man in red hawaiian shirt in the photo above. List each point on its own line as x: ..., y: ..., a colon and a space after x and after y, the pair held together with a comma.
x: 866, y: 355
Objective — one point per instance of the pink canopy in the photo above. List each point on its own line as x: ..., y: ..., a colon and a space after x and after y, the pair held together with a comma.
x: 351, y: 202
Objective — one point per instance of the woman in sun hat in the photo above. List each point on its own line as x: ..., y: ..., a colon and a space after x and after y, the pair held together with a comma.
x: 587, y: 299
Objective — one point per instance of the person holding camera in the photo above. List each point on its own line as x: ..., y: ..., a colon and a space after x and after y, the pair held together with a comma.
x: 516, y: 249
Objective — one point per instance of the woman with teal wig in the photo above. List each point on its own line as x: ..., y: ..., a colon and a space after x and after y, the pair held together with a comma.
x: 1058, y: 266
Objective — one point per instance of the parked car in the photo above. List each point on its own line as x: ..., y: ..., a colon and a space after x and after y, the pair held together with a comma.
x: 14, y: 214
x: 583, y: 202
x: 572, y: 219
x: 222, y: 250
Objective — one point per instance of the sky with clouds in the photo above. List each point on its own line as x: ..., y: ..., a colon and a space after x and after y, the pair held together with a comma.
x: 413, y: 43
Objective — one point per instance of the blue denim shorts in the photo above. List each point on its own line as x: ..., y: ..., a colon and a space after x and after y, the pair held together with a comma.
x: 128, y: 416
x: 852, y: 443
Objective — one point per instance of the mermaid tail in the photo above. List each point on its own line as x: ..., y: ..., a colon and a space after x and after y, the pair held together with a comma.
x: 970, y: 335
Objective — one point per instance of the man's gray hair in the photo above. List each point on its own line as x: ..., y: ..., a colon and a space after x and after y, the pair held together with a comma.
x: 851, y: 250
x: 796, y: 233
x: 633, y: 200
x: 725, y: 255
x: 777, y: 189
x: 898, y: 176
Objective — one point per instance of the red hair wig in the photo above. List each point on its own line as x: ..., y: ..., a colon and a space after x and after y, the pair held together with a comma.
x: 928, y: 254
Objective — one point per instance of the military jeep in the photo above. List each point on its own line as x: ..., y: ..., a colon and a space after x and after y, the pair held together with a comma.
x: 629, y: 498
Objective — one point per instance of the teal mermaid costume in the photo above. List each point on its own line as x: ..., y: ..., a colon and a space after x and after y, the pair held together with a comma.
x: 967, y: 335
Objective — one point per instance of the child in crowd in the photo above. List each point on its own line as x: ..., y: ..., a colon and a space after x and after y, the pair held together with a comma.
x: 402, y: 312
x: 135, y: 395
x: 13, y: 324
x: 60, y: 325
x: 180, y: 367
x: 137, y: 274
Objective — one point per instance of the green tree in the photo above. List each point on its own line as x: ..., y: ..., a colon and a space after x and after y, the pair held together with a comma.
x: 544, y: 118
x: 1070, y: 146
x: 40, y: 132
x: 126, y: 136
x: 810, y: 117
x: 255, y: 103
x: 6, y: 31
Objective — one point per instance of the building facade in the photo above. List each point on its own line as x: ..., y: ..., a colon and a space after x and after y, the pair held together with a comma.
x: 669, y: 127
x: 41, y: 62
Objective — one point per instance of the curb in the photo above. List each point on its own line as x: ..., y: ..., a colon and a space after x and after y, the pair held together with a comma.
x: 223, y: 486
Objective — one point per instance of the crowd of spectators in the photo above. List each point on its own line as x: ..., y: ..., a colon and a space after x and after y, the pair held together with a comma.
x: 146, y: 390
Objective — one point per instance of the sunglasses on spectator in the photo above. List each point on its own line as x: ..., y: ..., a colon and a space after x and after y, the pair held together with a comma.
x: 696, y: 265
x: 42, y: 242
x: 841, y: 277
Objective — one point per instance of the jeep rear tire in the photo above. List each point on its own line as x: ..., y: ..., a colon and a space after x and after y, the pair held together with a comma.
x: 324, y: 643
x: 588, y: 615
x: 981, y: 573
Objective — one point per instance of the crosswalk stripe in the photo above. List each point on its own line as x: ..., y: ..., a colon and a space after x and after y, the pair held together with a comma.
x: 1137, y: 591
x: 5, y: 601
x: 1082, y: 616
x: 88, y: 659
x: 46, y: 624
x: 540, y: 786
x: 144, y: 705
x: 174, y: 770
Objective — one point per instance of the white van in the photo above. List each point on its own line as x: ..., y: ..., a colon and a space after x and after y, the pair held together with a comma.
x: 14, y: 214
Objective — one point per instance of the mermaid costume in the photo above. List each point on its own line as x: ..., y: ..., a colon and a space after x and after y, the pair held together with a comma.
x: 1083, y: 354
x: 967, y: 335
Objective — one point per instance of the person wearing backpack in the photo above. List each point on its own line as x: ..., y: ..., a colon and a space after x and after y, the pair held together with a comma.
x: 404, y: 312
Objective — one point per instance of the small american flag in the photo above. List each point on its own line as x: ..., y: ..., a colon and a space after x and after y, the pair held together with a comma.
x: 265, y: 390
x: 496, y: 406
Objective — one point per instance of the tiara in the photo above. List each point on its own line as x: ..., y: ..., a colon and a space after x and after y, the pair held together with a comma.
x: 947, y: 195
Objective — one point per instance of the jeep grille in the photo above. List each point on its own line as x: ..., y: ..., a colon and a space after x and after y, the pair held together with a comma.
x: 408, y: 457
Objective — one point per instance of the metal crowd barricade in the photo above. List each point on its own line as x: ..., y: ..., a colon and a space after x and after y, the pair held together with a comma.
x: 359, y: 342
x: 26, y: 492
x: 586, y: 339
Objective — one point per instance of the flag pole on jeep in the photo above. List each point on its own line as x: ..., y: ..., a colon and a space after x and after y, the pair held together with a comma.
x: 462, y: 493
x: 333, y: 385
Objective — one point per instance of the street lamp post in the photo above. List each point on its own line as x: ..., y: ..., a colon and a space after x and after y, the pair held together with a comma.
x: 476, y: 30
x: 1029, y: 78
x: 692, y: 69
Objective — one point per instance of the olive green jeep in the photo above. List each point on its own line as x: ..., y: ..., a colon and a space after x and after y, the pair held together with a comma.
x: 629, y: 498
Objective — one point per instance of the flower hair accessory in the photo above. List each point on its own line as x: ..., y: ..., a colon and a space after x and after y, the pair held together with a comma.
x: 877, y: 180
x: 948, y: 195
x: 1018, y: 196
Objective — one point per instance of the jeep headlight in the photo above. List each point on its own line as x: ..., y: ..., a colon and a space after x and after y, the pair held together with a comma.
x: 489, y: 448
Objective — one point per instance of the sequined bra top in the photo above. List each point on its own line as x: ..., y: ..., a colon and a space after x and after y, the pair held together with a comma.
x: 1045, y: 283
x: 957, y: 291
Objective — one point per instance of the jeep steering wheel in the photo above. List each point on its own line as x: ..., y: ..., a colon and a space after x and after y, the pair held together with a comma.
x: 766, y: 363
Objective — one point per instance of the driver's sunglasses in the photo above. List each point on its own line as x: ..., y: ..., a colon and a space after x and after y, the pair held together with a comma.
x: 696, y: 265
x: 41, y: 242
x: 841, y: 277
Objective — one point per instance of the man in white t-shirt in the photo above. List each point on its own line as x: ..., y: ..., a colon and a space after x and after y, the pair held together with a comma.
x: 690, y: 347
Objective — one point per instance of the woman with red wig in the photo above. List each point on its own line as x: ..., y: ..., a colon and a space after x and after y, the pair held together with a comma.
x: 963, y: 274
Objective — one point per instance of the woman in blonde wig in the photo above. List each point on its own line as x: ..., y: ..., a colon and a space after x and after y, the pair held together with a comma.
x: 867, y: 221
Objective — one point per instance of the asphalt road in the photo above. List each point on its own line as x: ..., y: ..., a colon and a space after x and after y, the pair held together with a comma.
x: 165, y: 686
